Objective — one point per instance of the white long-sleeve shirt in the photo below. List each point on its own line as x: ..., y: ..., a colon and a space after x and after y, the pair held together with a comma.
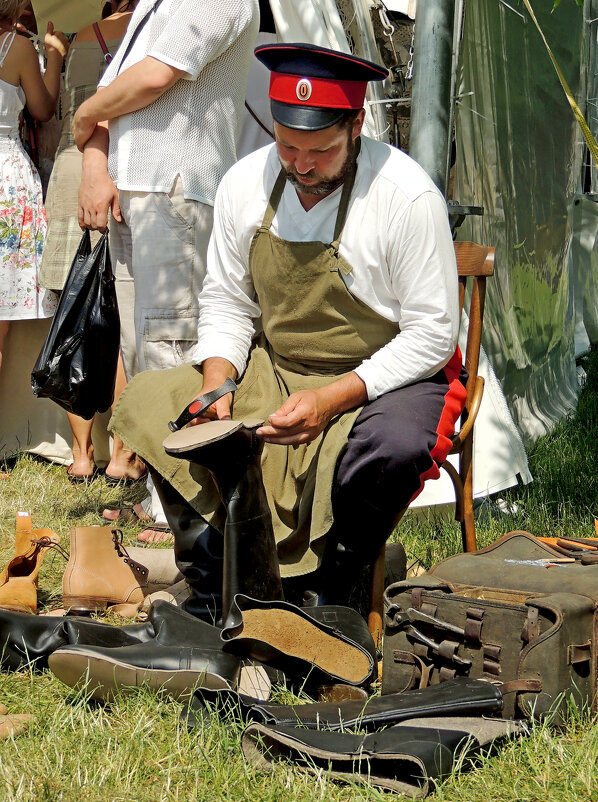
x: 396, y: 238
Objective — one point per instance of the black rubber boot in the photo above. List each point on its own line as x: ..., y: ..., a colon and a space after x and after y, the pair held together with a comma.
x: 250, y: 558
x: 198, y: 551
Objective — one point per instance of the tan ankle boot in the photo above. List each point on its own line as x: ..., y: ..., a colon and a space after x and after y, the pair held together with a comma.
x: 100, y: 571
x: 19, y: 591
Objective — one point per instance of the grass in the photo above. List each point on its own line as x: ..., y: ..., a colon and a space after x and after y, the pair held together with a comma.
x: 137, y: 749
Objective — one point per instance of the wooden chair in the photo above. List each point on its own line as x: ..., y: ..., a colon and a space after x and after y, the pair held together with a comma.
x: 475, y: 262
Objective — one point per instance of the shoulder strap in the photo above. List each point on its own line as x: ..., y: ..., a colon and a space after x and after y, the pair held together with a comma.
x: 102, y: 43
x: 137, y: 31
x: 5, y: 45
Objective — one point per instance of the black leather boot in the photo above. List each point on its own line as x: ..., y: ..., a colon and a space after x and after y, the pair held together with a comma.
x: 406, y: 758
x: 198, y: 551
x: 231, y: 452
x: 28, y: 640
x: 352, y: 544
x: 184, y: 652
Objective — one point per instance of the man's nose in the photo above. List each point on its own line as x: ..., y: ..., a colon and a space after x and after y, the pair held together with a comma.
x: 304, y: 163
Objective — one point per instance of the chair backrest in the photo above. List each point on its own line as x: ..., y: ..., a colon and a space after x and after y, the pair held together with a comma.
x: 475, y: 262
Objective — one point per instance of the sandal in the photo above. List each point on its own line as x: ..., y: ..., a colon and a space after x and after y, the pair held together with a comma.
x: 124, y: 481
x: 127, y: 514
x: 156, y: 533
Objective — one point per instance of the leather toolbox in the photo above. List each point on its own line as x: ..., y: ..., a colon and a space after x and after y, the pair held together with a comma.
x: 529, y: 624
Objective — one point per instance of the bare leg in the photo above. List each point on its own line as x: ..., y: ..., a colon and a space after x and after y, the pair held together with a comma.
x: 4, y: 324
x: 124, y: 463
x: 83, y: 464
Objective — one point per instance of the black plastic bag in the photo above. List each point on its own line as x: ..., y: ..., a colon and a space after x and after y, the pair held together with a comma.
x: 76, y: 367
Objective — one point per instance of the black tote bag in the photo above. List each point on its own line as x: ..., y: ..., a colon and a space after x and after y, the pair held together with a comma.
x: 76, y: 366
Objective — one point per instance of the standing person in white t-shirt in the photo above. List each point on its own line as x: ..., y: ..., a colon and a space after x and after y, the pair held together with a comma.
x: 157, y: 137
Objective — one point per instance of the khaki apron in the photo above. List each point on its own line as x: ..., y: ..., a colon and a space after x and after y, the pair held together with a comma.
x: 314, y: 332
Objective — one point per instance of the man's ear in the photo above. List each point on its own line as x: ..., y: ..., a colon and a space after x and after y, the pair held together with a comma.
x: 358, y: 125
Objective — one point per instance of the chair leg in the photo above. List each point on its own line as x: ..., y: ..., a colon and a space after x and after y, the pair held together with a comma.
x: 376, y: 593
x: 466, y: 471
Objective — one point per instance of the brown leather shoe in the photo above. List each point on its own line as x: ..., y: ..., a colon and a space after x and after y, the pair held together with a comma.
x: 100, y: 571
x: 19, y: 591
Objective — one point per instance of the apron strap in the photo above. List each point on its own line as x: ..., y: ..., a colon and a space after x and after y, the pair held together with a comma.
x: 274, y: 201
x: 343, y: 206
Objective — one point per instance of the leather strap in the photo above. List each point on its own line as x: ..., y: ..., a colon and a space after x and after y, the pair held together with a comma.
x: 521, y: 686
x: 200, y: 404
x: 258, y: 121
x: 400, y: 656
x: 102, y: 43
x: 136, y: 33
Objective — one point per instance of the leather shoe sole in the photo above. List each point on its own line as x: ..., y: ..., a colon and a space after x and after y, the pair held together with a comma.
x: 106, y: 677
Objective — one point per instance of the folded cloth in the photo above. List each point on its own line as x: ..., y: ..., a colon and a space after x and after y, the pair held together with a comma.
x: 406, y: 758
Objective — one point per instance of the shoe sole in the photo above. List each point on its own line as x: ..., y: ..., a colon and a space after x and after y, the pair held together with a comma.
x: 90, y: 604
x: 105, y: 678
x: 296, y: 637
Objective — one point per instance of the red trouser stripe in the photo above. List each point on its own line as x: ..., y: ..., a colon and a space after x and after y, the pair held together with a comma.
x: 454, y: 402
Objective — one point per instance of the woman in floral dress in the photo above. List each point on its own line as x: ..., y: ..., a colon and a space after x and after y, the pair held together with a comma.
x: 22, y: 215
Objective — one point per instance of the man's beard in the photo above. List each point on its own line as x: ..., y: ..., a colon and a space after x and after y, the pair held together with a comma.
x: 324, y: 186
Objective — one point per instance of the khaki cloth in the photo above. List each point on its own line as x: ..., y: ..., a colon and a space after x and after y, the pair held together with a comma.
x: 315, y: 331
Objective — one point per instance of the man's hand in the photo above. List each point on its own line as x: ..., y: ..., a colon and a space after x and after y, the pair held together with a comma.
x: 305, y: 414
x: 97, y: 192
x: 302, y: 417
x: 97, y: 195
x: 215, y: 372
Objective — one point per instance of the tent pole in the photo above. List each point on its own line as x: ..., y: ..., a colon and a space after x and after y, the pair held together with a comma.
x: 430, y: 135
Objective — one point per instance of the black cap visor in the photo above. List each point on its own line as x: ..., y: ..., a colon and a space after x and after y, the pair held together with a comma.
x: 305, y: 118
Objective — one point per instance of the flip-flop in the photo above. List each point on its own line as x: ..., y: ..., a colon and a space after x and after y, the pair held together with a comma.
x: 76, y: 479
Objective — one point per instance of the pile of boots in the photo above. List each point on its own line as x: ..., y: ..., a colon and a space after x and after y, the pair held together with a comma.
x: 405, y: 742
x: 177, y: 652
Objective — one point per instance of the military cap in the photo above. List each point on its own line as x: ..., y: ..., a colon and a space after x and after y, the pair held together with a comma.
x: 313, y: 87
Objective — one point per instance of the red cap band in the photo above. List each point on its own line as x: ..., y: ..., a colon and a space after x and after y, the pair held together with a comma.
x: 325, y: 93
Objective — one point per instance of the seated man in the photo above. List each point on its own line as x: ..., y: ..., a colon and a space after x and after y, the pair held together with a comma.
x: 332, y: 295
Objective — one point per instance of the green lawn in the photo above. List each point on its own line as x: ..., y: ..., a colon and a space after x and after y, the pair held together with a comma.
x: 136, y: 749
